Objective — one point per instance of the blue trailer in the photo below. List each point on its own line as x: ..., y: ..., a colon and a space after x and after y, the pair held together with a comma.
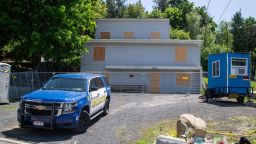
x: 229, y: 75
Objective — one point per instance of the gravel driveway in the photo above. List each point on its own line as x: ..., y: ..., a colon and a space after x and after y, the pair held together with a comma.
x: 129, y: 113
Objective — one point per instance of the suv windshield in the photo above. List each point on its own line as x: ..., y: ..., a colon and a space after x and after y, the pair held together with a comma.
x: 68, y: 84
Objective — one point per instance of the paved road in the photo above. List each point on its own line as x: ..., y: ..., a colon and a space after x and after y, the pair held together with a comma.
x: 129, y: 113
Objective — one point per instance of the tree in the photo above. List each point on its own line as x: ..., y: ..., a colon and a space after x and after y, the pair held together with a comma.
x: 116, y: 8
x: 155, y: 13
x: 193, y: 20
x: 161, y: 4
x: 179, y: 34
x: 99, y: 8
x: 175, y: 16
x: 223, y: 35
x: 136, y: 10
x: 111, y: 8
x: 250, y: 32
x: 55, y: 30
x: 238, y: 31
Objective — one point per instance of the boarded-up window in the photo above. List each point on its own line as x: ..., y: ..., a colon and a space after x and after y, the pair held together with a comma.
x: 154, y: 82
x: 99, y: 54
x: 181, y: 54
x: 182, y: 79
x: 105, y: 35
x: 155, y: 35
x: 128, y: 35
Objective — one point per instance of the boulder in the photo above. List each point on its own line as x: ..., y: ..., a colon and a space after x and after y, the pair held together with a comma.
x: 190, y: 126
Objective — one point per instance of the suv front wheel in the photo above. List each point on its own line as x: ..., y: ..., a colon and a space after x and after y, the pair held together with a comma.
x: 83, y: 123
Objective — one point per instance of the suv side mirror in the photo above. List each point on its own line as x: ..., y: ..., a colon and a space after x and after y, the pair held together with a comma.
x: 93, y: 89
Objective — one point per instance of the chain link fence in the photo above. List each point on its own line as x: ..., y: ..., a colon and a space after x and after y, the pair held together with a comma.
x: 137, y: 82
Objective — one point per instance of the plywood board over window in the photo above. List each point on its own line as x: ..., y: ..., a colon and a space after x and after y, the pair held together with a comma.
x: 128, y: 35
x: 180, y: 54
x: 154, y: 82
x: 155, y: 35
x: 99, y: 54
x: 105, y: 35
x: 183, y: 79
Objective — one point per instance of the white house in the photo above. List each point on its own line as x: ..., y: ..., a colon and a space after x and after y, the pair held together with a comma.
x: 127, y: 47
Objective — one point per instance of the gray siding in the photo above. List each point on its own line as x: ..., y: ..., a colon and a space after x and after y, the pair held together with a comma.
x: 140, y: 55
x: 168, y: 84
x: 140, y: 27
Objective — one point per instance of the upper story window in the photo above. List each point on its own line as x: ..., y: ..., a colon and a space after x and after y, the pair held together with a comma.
x: 180, y: 54
x: 216, y: 68
x: 239, y: 66
x: 105, y: 35
x: 155, y: 35
x: 99, y: 54
x: 128, y: 35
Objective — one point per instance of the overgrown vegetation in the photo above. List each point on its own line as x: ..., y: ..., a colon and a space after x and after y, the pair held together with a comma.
x: 232, y: 129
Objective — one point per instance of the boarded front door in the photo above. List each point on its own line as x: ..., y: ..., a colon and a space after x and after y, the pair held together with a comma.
x: 154, y: 82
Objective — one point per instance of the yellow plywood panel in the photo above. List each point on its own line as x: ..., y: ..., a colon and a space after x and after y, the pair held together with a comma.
x: 105, y: 35
x: 155, y: 35
x: 99, y: 54
x: 128, y: 35
x: 183, y: 79
x: 181, y: 54
x: 154, y: 79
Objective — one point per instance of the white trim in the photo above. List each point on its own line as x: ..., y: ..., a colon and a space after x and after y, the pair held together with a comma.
x: 214, y: 67
x: 132, y: 19
x: 144, y: 41
x: 153, y: 67
x: 246, y: 66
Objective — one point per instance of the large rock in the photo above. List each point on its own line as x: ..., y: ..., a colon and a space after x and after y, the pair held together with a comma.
x: 191, y: 124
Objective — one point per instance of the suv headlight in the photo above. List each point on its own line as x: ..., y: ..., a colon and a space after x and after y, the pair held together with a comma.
x: 69, y: 108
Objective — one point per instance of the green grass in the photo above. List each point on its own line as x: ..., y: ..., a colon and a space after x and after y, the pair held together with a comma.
x: 9, y: 107
x: 232, y: 129
x: 205, y: 79
x: 149, y: 135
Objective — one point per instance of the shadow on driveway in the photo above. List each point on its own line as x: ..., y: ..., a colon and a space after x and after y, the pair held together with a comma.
x: 33, y: 135
x: 224, y: 103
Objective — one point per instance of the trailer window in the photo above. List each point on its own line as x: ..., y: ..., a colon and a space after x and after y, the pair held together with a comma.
x: 216, y: 69
x: 238, y: 66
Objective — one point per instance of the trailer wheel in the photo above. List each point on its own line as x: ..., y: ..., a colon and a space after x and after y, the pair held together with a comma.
x: 83, y: 123
x: 208, y: 95
x: 240, y: 99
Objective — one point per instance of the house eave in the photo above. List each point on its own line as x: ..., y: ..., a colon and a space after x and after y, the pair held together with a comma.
x: 144, y: 41
x: 125, y: 67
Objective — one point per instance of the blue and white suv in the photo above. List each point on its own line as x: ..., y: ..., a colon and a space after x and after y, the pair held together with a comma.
x: 67, y: 101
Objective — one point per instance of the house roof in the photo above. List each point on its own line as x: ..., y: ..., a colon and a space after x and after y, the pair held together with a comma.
x: 133, y: 19
x: 144, y: 41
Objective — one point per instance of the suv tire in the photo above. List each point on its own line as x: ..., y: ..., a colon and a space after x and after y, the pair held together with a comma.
x: 106, y: 107
x: 83, y: 123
